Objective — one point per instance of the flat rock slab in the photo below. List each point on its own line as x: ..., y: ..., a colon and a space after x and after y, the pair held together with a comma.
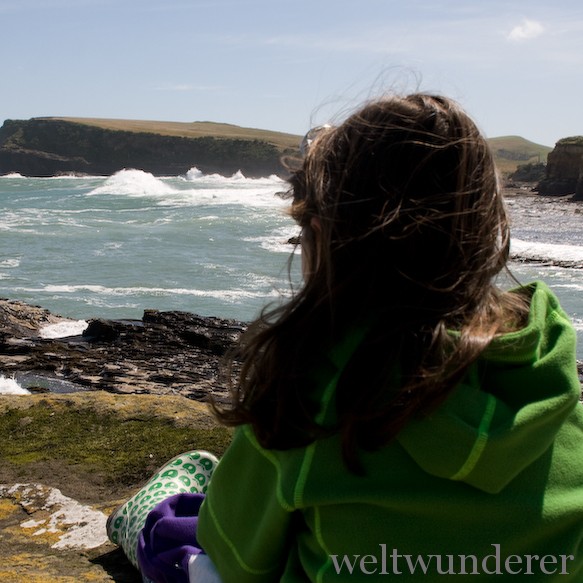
x: 46, y: 536
x: 62, y: 521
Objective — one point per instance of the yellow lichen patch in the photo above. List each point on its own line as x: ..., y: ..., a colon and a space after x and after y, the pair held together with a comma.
x: 39, y: 532
x: 14, y: 575
x: 38, y: 568
x: 7, y: 508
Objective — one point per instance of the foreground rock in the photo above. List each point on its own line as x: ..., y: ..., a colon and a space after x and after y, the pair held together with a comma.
x: 68, y: 460
x: 131, y: 401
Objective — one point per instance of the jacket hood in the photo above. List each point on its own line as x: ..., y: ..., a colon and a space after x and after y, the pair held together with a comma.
x: 507, y: 411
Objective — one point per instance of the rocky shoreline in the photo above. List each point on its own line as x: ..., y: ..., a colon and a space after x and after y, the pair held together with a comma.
x: 532, y: 213
x: 163, y: 353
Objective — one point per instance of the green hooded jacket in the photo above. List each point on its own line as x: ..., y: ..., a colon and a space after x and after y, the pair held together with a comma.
x: 489, y: 485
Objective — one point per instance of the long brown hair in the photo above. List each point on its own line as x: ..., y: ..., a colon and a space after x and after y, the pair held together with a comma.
x: 404, y: 228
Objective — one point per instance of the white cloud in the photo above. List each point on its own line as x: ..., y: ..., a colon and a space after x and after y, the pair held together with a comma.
x: 528, y: 29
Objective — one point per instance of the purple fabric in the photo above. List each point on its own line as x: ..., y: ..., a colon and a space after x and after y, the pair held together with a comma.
x: 168, y: 539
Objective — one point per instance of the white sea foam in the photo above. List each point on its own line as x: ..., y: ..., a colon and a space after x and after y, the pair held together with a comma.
x: 110, y: 247
x: 278, y: 241
x: 9, y: 386
x: 546, y: 251
x: 31, y: 220
x: 12, y: 263
x: 238, y: 179
x: 262, y: 198
x: 195, y: 188
x: 574, y: 287
x: 229, y: 295
x: 12, y: 175
x: 72, y: 177
x: 8, y: 263
x: 63, y: 329
x: 233, y: 190
x: 132, y: 183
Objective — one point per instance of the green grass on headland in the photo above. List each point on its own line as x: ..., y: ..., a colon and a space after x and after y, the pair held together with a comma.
x: 513, y: 151
x: 572, y: 140
x: 195, y: 129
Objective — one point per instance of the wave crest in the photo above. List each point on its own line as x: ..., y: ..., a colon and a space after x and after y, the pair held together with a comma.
x: 239, y: 179
x: 131, y: 182
x: 10, y: 386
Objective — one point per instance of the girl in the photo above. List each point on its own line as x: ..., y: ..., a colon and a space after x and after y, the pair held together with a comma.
x: 400, y: 415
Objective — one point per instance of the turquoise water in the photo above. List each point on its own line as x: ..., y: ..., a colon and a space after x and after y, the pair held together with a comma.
x: 114, y: 246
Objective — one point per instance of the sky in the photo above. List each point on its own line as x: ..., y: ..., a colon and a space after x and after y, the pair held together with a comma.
x: 514, y: 65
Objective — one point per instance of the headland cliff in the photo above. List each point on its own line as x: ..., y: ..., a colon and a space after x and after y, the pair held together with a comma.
x: 56, y: 146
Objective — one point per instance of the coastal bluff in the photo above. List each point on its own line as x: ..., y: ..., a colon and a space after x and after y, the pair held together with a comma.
x: 54, y: 146
x: 41, y: 147
x: 564, y: 170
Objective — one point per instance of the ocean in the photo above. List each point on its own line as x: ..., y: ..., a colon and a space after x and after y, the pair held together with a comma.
x: 86, y: 247
x: 113, y: 246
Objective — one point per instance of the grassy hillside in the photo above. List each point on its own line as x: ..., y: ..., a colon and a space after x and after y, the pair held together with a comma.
x: 50, y: 146
x: 512, y: 151
x: 195, y: 129
x: 509, y: 151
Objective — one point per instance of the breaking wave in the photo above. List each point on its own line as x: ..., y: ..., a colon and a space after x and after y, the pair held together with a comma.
x: 9, y: 386
x: 132, y: 183
x: 557, y: 254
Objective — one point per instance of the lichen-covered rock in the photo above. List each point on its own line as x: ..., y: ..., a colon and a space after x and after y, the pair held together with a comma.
x: 63, y: 522
x: 68, y: 460
x: 46, y: 537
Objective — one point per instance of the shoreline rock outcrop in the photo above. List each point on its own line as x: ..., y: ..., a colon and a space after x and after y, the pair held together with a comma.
x: 564, y: 171
x: 163, y: 353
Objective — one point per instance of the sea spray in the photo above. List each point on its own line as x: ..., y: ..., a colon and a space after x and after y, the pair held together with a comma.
x: 9, y: 386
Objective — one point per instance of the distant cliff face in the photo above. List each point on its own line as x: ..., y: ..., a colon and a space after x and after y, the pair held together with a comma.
x: 48, y: 147
x: 564, y: 173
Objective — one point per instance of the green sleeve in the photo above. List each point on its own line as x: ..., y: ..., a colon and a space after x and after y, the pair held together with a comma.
x: 244, y: 522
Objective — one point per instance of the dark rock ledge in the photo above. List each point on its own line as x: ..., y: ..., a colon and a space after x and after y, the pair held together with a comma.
x: 163, y: 353
x: 175, y: 352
